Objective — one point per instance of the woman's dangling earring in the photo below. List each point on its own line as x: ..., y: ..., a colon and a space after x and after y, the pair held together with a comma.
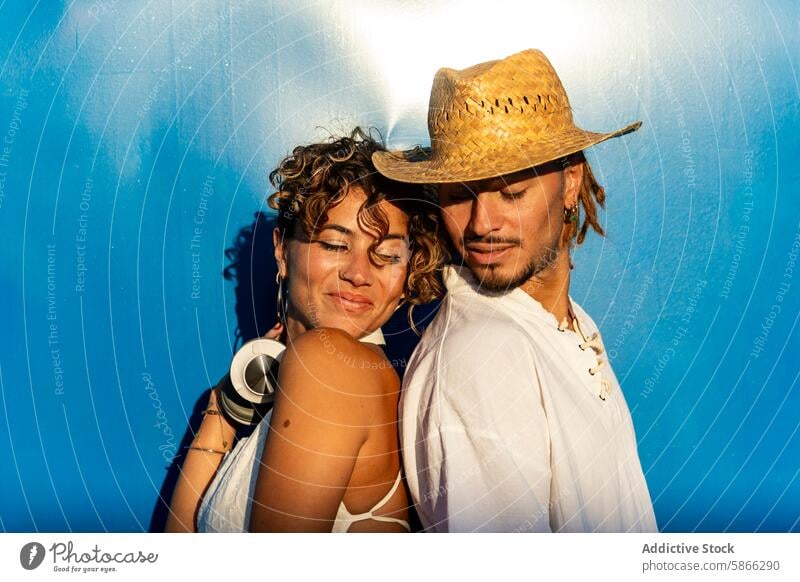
x: 281, y: 300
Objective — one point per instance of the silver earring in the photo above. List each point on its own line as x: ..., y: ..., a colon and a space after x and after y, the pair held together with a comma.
x: 281, y: 300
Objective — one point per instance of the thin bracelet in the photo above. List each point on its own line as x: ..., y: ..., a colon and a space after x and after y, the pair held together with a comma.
x: 212, y: 411
x: 207, y: 450
x: 215, y: 412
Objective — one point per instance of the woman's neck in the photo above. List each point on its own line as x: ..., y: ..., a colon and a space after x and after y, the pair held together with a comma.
x: 293, y: 327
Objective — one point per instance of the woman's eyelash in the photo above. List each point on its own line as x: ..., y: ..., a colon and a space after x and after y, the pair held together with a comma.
x: 339, y: 248
x: 394, y: 259
x: 513, y: 194
x: 332, y: 247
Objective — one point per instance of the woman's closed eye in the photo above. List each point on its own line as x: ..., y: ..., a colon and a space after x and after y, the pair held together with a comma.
x: 389, y: 258
x: 395, y: 253
x: 333, y: 246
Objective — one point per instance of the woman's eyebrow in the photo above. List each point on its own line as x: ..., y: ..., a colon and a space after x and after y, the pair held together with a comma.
x: 337, y: 228
x: 348, y: 232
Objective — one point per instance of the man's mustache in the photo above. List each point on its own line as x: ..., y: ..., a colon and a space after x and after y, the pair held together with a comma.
x: 491, y: 240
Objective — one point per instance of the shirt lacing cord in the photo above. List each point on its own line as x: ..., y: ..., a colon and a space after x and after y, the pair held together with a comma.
x: 596, y: 344
x: 593, y: 342
x: 605, y: 385
x: 605, y: 389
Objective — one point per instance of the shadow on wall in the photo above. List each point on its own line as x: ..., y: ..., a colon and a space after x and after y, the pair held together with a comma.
x: 253, y: 269
x: 251, y: 266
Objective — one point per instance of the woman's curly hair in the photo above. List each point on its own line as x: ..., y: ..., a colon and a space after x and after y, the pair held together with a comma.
x: 316, y: 177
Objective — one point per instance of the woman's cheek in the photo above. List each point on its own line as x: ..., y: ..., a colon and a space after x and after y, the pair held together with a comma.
x: 395, y: 278
x: 321, y: 263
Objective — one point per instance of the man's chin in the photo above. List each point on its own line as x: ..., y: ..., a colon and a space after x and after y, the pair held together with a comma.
x: 495, y: 278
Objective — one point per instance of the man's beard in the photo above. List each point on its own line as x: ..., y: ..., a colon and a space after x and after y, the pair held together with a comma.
x: 490, y: 280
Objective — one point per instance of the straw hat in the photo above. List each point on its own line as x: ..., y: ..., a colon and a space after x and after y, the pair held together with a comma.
x: 493, y: 119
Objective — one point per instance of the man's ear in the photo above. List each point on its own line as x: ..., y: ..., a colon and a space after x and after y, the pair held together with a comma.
x: 573, y: 177
x: 280, y: 251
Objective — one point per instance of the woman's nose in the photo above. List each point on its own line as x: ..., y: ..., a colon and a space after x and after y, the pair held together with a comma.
x: 356, y: 269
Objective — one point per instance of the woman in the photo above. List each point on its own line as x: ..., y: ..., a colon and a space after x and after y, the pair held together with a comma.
x: 350, y: 248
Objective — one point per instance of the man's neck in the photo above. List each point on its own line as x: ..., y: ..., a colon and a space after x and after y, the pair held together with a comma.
x: 551, y: 287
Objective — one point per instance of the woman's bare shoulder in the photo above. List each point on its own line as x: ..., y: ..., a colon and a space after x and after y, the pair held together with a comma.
x: 333, y: 358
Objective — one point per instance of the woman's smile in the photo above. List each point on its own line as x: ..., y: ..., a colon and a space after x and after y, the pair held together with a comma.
x: 350, y: 302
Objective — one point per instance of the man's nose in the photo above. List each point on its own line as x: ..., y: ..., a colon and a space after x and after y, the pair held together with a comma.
x: 356, y: 268
x: 483, y: 218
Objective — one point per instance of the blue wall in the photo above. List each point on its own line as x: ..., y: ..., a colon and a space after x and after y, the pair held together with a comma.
x: 135, y: 142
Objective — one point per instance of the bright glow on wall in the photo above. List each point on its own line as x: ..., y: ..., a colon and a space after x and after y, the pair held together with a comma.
x: 408, y: 44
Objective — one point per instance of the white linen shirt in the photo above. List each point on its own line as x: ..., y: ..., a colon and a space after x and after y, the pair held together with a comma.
x: 502, y: 424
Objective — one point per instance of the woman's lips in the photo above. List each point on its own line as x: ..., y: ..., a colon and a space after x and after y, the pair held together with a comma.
x: 484, y: 254
x: 351, y: 302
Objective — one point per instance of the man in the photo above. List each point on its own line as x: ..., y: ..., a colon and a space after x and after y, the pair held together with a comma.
x: 511, y: 417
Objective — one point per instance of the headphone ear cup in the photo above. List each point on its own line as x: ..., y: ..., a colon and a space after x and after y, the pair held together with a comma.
x: 239, y: 410
x: 249, y: 389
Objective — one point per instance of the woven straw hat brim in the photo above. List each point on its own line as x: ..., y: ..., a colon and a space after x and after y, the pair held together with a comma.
x: 482, y: 162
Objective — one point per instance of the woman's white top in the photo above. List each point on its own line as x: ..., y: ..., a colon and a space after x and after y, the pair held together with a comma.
x: 511, y: 422
x: 228, y: 502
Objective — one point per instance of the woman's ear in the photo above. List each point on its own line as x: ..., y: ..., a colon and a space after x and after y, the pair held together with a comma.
x: 573, y: 177
x: 280, y: 252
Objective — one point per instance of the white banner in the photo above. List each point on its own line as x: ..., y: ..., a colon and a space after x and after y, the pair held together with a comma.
x: 398, y: 557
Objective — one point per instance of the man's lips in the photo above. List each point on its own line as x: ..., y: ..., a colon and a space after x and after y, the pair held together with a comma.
x: 350, y: 301
x: 486, y: 253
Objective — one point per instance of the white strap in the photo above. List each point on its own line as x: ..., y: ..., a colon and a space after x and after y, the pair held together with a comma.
x: 376, y: 337
x: 348, y: 518
x: 385, y: 519
x: 386, y: 497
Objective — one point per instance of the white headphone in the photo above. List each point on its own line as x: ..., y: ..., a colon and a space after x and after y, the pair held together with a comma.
x: 250, y: 386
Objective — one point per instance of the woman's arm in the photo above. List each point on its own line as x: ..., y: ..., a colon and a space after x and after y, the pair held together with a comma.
x: 319, y: 423
x: 203, y: 458
x: 214, y: 437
